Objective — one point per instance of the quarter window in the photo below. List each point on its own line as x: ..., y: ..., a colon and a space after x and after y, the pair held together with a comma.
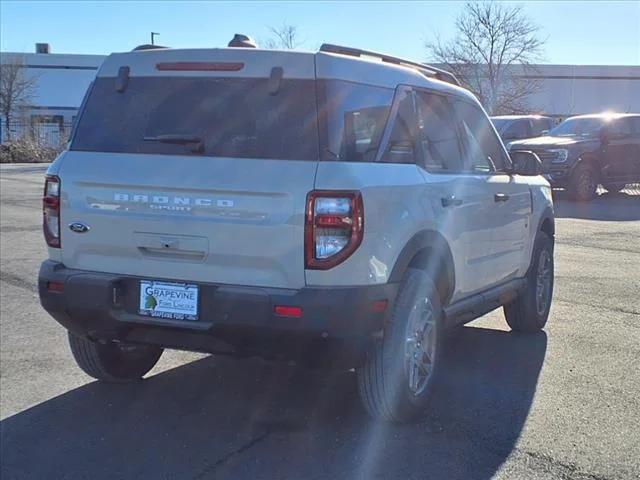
x: 352, y: 118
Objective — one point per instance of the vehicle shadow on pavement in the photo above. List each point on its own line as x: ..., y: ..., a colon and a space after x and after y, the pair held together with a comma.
x: 606, y: 206
x: 219, y: 418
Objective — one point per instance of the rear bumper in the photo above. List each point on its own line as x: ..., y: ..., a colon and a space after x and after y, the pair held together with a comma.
x: 104, y: 306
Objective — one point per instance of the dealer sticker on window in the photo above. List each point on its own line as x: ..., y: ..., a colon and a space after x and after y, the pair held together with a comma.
x: 174, y: 301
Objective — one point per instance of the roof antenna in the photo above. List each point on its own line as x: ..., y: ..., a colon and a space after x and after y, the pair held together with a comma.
x: 242, y: 41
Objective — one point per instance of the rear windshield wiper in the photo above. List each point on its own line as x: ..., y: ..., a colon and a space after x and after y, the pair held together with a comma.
x: 195, y: 142
x: 176, y: 139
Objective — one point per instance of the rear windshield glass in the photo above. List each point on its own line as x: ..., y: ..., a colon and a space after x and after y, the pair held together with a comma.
x: 352, y: 119
x: 232, y: 118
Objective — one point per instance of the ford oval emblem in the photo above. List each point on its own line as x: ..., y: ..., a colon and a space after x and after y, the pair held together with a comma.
x: 78, y: 227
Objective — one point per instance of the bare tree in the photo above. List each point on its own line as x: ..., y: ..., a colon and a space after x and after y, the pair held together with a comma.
x: 284, y: 37
x: 16, y: 89
x: 492, y: 55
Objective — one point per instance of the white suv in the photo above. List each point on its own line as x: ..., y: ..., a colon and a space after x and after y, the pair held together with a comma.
x: 339, y: 207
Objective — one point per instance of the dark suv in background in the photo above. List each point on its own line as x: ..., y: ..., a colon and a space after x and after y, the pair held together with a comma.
x: 587, y: 150
x: 518, y: 127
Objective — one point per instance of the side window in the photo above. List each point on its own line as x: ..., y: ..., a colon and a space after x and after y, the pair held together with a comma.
x: 550, y: 124
x: 518, y: 129
x: 620, y: 127
x: 539, y: 126
x: 437, y: 134
x: 483, y: 150
x: 401, y: 146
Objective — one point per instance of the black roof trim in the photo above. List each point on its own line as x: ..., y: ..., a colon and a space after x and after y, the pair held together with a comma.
x: 147, y: 46
x: 425, y: 69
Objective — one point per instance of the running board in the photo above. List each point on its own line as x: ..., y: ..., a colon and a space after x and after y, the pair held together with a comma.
x: 475, y: 306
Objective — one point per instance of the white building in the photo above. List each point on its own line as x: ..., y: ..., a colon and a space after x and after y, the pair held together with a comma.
x: 566, y: 90
x: 61, y: 82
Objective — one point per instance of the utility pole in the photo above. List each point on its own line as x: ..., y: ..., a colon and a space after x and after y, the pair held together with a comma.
x: 153, y: 34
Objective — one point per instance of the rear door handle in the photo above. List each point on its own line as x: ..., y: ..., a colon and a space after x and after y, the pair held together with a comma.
x: 501, y: 197
x: 450, y: 201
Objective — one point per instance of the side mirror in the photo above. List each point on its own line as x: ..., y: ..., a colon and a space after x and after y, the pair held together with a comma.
x: 525, y: 163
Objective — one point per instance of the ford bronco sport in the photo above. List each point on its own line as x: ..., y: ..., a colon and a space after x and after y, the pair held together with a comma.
x: 339, y: 207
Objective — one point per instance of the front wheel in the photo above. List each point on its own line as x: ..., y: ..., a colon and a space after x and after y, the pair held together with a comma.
x: 530, y: 310
x: 583, y: 183
x: 111, y: 361
x: 396, y: 380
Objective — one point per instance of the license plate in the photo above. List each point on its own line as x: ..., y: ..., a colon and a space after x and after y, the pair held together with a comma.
x: 174, y: 301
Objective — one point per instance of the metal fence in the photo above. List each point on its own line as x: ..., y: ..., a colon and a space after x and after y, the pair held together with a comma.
x: 52, y: 134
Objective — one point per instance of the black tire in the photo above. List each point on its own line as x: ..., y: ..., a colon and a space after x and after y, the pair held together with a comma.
x: 583, y: 183
x: 614, y: 187
x: 383, y: 379
x: 113, y: 362
x: 525, y: 313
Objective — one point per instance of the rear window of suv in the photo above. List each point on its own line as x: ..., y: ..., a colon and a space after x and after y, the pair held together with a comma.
x: 233, y: 117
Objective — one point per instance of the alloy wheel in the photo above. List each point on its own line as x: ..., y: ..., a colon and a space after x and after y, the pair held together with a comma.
x: 587, y: 183
x: 420, y: 346
x: 543, y: 282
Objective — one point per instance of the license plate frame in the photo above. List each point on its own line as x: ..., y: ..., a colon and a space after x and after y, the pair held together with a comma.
x: 169, y: 300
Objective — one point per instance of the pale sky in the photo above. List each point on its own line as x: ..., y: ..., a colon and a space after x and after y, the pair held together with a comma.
x: 578, y: 32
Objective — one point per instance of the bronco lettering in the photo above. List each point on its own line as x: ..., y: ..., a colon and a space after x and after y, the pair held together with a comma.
x: 156, y: 200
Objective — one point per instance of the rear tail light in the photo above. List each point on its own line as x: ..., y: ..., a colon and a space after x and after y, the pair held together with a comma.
x: 334, y: 225
x: 51, y: 211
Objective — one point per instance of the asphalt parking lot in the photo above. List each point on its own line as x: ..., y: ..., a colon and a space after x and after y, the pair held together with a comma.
x: 564, y: 403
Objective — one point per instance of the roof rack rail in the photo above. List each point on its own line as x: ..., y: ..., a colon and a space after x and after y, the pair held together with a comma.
x: 147, y: 46
x: 425, y: 69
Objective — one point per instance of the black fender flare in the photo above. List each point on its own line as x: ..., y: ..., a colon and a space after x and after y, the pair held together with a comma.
x: 589, y: 157
x: 546, y: 224
x: 547, y: 216
x: 423, y: 247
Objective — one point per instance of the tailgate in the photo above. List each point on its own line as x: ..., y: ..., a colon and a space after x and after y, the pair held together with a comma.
x: 189, y: 218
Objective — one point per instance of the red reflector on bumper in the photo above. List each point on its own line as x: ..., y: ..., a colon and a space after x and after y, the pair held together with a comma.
x: 57, y: 287
x: 379, y: 306
x: 285, y: 311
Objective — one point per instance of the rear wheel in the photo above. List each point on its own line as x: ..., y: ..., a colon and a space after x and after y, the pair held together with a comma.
x: 396, y: 380
x: 583, y: 183
x: 111, y: 361
x: 530, y: 310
